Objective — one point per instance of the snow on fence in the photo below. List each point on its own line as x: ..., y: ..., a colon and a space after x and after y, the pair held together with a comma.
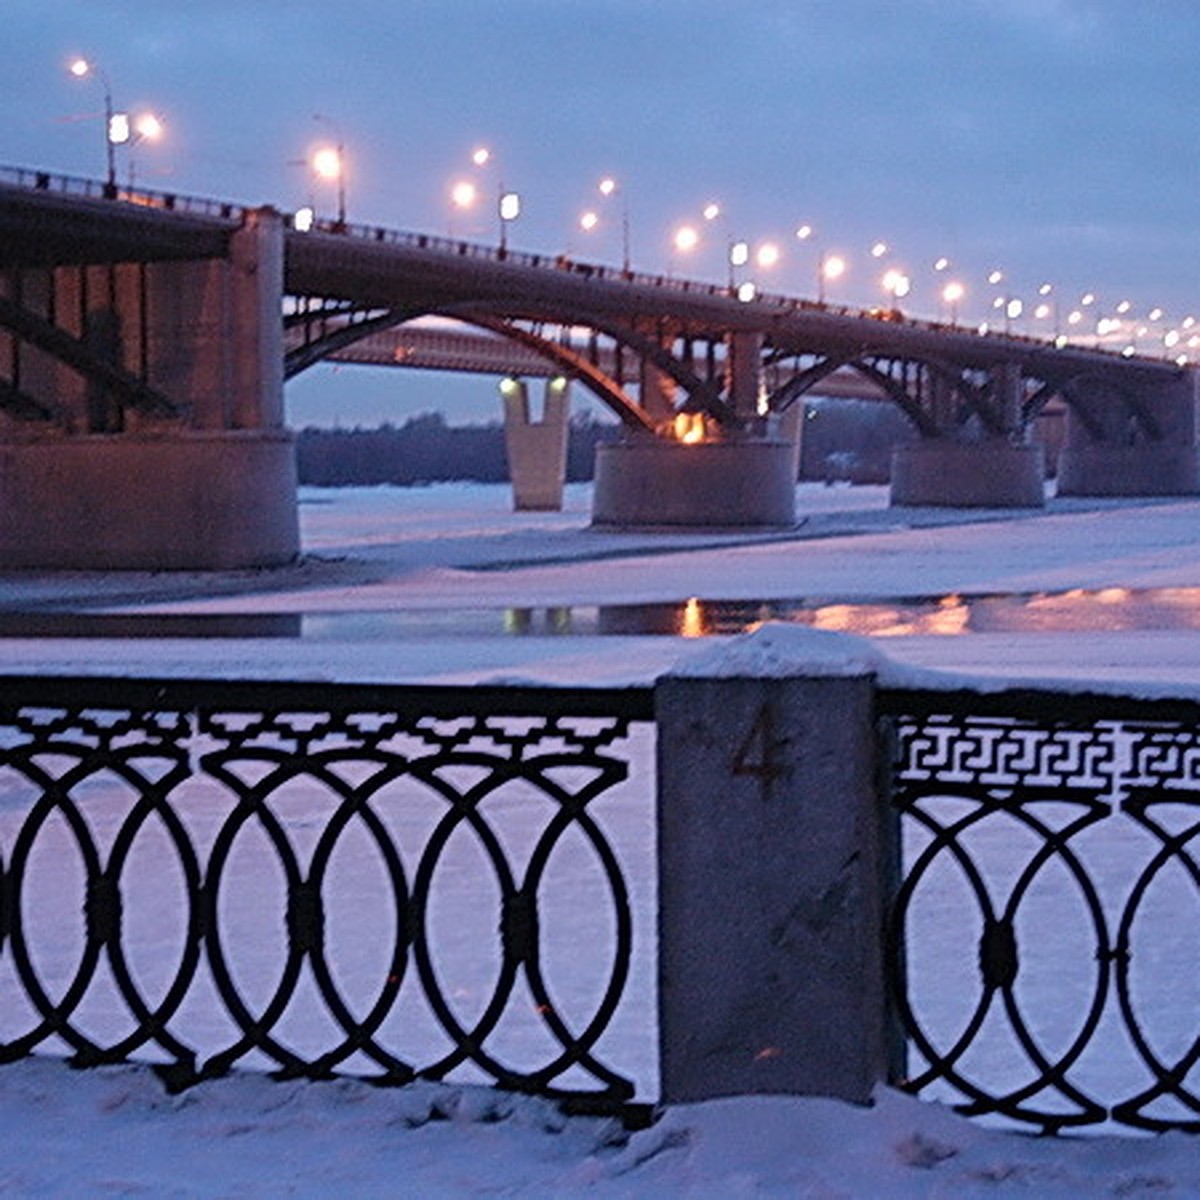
x: 615, y: 896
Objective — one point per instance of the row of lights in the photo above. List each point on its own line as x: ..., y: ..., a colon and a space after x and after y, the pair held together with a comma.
x: 328, y: 162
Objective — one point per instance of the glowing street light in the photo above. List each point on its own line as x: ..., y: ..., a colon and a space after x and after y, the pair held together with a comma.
x: 81, y: 68
x: 464, y: 194
x: 686, y: 239
x: 607, y: 188
x: 952, y: 295
x: 831, y: 267
x: 767, y: 255
x: 329, y: 163
x: 896, y: 284
x: 508, y: 208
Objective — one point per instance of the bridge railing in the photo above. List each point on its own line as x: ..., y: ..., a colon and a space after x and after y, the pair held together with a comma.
x: 72, y: 185
x: 761, y: 299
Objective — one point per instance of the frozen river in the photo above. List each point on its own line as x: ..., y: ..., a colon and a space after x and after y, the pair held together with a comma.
x: 446, y: 585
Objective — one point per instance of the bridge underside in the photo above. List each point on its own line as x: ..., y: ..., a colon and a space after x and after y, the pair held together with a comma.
x: 1130, y: 432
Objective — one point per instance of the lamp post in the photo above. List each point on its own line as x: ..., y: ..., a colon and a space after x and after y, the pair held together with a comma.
x: 508, y: 208
x: 329, y: 162
x: 829, y: 268
x: 508, y: 203
x: 609, y: 187
x: 897, y: 285
x: 81, y: 68
x: 952, y: 295
x: 684, y: 240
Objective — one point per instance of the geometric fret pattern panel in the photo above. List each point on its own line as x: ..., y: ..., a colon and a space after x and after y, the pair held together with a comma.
x: 1045, y: 933
x: 317, y: 880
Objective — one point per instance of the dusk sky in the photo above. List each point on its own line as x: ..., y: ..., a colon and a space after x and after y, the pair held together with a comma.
x: 1053, y: 140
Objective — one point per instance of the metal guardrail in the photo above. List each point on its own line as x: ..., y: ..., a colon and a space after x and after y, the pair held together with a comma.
x: 360, y: 840
x: 94, y: 189
x: 1043, y: 948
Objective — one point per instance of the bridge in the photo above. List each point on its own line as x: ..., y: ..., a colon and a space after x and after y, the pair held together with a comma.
x: 445, y: 346
x: 145, y: 339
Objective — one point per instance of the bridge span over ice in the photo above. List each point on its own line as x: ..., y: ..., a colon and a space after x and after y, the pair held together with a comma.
x: 145, y: 339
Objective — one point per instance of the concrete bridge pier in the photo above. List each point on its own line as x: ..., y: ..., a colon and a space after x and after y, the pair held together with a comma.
x: 537, y: 450
x: 993, y: 473
x: 744, y: 477
x: 106, y: 486
x: 1001, y: 469
x: 1112, y: 451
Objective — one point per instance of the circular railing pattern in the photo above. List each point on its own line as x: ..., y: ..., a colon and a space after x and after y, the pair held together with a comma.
x: 235, y: 806
x: 1062, y: 855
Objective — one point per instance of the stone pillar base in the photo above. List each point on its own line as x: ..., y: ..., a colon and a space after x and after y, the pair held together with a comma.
x: 991, y: 474
x: 656, y: 482
x: 1147, y: 470
x: 183, y: 501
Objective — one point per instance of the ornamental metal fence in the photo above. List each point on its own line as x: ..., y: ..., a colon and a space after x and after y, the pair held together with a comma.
x: 1044, y: 941
x: 461, y: 883
x: 322, y: 879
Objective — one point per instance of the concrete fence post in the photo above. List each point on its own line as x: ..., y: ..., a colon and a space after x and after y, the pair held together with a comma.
x: 774, y: 855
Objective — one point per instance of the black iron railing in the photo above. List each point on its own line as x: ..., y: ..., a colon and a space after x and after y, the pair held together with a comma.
x: 317, y: 879
x: 1045, y: 940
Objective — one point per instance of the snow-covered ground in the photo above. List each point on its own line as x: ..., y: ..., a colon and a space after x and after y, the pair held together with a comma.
x: 431, y: 551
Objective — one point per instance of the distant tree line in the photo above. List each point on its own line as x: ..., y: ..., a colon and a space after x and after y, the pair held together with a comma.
x: 840, y: 439
x: 427, y: 450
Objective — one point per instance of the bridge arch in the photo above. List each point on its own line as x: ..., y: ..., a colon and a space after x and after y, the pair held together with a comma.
x: 342, y: 326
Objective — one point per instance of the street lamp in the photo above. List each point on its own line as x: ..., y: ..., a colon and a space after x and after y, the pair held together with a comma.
x: 508, y: 203
x: 952, y: 295
x: 830, y: 268
x: 329, y: 163
x: 739, y: 256
x: 896, y: 284
x: 684, y: 240
x: 508, y: 208
x: 115, y: 130
x: 607, y: 187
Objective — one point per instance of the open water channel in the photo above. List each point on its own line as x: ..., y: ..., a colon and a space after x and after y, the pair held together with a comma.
x: 1112, y: 609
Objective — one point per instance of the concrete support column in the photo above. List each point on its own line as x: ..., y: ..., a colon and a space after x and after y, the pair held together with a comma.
x: 1124, y: 460
x: 744, y: 372
x: 774, y: 861
x: 108, y: 488
x: 661, y: 483
x: 989, y: 474
x: 256, y: 286
x: 537, y: 450
x: 1009, y: 396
